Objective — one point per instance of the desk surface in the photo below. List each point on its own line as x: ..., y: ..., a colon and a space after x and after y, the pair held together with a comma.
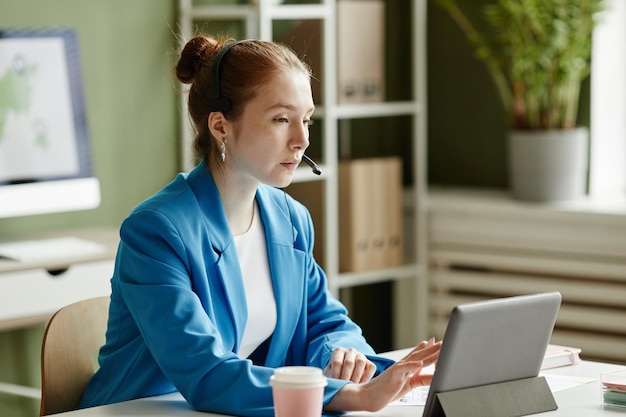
x: 581, y: 401
x: 31, y: 291
x: 107, y: 237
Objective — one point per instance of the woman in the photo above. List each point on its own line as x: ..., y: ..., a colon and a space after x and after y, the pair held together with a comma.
x: 215, y: 283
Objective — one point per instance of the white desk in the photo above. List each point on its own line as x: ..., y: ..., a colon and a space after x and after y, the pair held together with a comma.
x: 580, y: 401
x: 31, y: 291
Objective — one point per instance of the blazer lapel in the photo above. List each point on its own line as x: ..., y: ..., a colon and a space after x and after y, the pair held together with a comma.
x: 221, y: 239
x: 287, y: 268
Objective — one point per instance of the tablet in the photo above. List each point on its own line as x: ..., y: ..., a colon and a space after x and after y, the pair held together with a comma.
x: 493, y: 341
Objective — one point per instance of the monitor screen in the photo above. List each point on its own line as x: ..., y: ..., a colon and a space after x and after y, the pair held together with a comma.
x: 45, y: 157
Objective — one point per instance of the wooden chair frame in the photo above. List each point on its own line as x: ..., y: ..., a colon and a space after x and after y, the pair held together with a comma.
x: 69, y: 352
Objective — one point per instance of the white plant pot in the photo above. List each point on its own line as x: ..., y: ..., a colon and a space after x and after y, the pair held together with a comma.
x: 549, y: 165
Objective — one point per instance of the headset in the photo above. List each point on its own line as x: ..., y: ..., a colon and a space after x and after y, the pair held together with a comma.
x: 219, y: 103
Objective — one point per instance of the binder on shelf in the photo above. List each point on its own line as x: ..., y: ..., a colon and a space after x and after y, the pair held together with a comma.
x: 370, y: 214
x: 394, y: 232
x: 377, y: 216
x: 360, y: 51
x: 355, y: 204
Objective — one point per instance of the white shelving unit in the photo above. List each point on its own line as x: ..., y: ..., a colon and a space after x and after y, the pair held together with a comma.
x: 411, y: 291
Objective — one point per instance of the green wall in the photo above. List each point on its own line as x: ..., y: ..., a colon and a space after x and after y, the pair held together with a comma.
x: 466, y: 125
x: 127, y: 51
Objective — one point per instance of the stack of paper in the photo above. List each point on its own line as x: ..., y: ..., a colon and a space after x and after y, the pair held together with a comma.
x: 557, y: 356
x: 614, y: 389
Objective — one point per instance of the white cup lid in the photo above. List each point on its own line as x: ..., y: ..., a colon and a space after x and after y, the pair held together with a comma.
x: 298, y: 376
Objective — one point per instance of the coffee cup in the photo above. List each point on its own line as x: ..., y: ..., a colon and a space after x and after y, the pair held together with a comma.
x: 298, y: 391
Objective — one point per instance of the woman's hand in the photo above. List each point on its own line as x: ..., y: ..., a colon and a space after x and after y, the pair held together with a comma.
x: 399, y: 379
x: 350, y: 365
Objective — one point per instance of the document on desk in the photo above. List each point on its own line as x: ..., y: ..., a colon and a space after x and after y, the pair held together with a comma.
x: 419, y: 395
x: 562, y: 382
x: 555, y: 382
x: 416, y: 397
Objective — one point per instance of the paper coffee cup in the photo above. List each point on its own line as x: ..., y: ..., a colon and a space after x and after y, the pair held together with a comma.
x: 298, y: 391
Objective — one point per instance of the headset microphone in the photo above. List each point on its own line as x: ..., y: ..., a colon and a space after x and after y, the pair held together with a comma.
x: 312, y: 164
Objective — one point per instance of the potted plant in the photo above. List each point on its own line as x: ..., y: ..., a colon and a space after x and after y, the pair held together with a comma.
x: 538, y: 52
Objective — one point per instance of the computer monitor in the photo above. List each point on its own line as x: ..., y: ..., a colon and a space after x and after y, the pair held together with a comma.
x: 45, y: 156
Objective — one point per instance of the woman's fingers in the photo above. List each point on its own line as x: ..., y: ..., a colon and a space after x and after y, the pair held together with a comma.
x: 397, y: 381
x: 423, y: 351
x: 336, y: 364
x: 368, y: 373
x: 350, y: 365
x: 425, y: 354
x: 420, y: 380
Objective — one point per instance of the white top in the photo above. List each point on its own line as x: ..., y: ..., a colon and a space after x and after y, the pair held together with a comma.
x: 252, y: 252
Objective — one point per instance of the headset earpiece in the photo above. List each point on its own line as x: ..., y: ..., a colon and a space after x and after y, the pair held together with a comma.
x: 218, y: 102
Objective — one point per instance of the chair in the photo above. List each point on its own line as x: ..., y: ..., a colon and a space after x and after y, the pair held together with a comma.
x: 69, y: 353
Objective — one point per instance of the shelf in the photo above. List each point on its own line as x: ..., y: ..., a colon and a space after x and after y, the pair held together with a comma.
x: 368, y: 110
x: 299, y: 12
x: 351, y: 279
x: 286, y: 12
x: 223, y: 12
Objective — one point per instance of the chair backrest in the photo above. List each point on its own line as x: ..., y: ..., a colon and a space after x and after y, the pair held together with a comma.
x: 69, y: 353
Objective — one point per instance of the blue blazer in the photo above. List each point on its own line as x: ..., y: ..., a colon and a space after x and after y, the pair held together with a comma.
x: 178, y: 307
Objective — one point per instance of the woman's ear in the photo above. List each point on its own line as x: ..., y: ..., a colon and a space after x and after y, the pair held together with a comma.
x: 217, y: 123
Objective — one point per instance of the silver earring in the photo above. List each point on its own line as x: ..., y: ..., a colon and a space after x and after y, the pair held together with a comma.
x: 223, y: 150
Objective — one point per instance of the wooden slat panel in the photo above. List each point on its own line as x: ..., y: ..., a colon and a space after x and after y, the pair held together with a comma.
x: 528, y: 263
x: 493, y: 284
x: 485, y: 245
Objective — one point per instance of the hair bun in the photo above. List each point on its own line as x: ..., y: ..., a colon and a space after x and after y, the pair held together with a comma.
x: 194, y: 56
